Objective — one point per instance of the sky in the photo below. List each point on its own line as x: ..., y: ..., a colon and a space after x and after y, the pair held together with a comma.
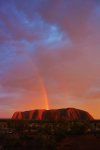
x: 49, y: 55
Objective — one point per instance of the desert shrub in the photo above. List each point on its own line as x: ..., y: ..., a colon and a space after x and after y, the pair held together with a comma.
x: 78, y: 128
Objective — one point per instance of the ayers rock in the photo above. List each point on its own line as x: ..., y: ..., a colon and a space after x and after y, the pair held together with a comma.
x: 70, y: 114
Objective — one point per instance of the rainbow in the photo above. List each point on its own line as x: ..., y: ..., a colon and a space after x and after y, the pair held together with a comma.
x: 42, y: 85
x: 44, y: 91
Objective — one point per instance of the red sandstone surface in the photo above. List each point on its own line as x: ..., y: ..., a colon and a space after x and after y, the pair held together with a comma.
x: 70, y: 114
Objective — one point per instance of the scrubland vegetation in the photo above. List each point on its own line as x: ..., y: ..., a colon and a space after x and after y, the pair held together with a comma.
x: 41, y: 135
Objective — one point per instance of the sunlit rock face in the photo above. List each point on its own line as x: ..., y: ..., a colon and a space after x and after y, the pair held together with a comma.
x: 70, y: 114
